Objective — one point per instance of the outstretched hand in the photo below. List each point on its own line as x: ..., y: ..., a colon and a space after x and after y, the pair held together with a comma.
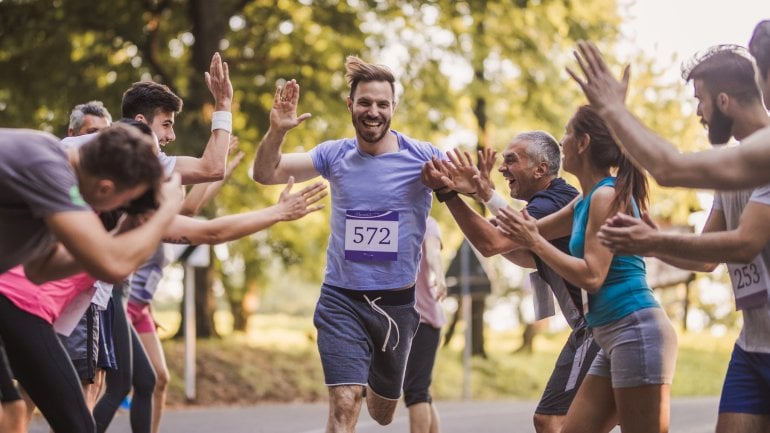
x: 519, y: 227
x: 431, y: 175
x: 218, y: 82
x: 283, y: 115
x: 600, y: 87
x: 625, y: 235
x: 483, y: 181
x: 296, y: 205
x: 460, y: 171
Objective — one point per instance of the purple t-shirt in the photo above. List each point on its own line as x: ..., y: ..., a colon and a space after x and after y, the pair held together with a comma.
x: 36, y: 180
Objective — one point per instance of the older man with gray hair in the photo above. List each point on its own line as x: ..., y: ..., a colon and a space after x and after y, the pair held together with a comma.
x: 88, y: 118
x: 531, y: 163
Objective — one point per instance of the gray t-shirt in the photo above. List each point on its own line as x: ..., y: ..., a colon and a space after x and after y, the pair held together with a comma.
x: 755, y: 334
x: 36, y: 181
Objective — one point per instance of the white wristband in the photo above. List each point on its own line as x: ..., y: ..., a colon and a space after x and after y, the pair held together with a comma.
x: 222, y: 120
x: 495, y: 203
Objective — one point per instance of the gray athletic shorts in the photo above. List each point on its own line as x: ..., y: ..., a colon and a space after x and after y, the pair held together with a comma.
x: 366, y: 341
x: 639, y: 349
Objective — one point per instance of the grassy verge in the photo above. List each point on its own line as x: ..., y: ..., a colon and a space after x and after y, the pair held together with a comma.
x: 276, y: 361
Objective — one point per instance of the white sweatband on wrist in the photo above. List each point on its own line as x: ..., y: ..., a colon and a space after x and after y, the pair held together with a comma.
x: 222, y: 120
x: 495, y: 203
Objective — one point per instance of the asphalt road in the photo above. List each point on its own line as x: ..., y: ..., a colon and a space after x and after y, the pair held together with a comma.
x: 688, y: 415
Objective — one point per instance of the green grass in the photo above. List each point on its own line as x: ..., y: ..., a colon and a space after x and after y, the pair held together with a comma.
x: 276, y: 360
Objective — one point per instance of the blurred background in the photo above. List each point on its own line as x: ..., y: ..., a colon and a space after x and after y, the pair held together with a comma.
x: 471, y: 74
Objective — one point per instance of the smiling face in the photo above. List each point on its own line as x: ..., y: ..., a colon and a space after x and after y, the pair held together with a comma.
x: 519, y: 170
x: 163, y: 126
x: 371, y: 110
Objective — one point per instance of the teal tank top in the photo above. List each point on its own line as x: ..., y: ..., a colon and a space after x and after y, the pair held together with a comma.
x: 625, y: 289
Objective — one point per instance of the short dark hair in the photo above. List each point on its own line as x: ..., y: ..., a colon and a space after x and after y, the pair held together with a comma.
x: 759, y: 47
x: 357, y: 71
x: 724, y: 69
x: 542, y: 147
x: 148, y: 98
x: 124, y: 155
x: 94, y: 108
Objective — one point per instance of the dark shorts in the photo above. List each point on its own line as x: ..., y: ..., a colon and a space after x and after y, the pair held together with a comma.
x: 571, y: 367
x: 747, y: 384
x: 8, y: 391
x: 419, y: 366
x: 366, y: 342
x: 106, y: 356
x: 82, y: 345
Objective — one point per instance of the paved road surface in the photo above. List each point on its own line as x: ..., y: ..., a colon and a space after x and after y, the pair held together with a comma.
x: 688, y: 415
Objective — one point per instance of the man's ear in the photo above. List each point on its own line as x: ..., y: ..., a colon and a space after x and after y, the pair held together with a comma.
x: 723, y: 102
x: 349, y: 102
x: 541, y: 169
x: 105, y: 187
x: 141, y: 118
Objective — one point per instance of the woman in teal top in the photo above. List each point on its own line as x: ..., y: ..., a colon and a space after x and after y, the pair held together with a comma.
x: 629, y: 381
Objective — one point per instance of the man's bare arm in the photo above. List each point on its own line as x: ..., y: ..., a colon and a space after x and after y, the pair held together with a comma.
x: 210, y: 166
x: 731, y: 168
x: 270, y: 166
x: 92, y: 249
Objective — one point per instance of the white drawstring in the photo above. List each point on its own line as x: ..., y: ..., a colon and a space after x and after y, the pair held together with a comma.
x: 391, y: 322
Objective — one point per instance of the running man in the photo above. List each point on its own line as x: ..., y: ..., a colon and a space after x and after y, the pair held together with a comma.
x: 365, y: 315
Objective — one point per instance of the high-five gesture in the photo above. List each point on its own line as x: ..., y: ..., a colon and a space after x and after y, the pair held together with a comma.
x: 461, y: 170
x: 602, y: 89
x: 218, y: 82
x: 283, y: 116
x: 296, y: 205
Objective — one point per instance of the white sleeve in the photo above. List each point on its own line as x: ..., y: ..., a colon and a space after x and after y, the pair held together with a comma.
x: 168, y: 163
x: 761, y: 195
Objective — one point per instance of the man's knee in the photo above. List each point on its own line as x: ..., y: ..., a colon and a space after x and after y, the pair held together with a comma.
x: 547, y: 423
x: 345, y: 402
x: 380, y: 408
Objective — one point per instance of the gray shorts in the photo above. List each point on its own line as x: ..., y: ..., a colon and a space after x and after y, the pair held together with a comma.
x: 639, y: 349
x: 366, y: 341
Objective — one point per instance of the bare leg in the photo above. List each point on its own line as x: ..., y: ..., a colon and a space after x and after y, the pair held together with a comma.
x: 14, y: 417
x: 742, y: 422
x: 151, y: 343
x: 423, y: 418
x: 380, y: 408
x: 644, y: 409
x: 548, y: 423
x: 344, y: 407
x: 593, y: 409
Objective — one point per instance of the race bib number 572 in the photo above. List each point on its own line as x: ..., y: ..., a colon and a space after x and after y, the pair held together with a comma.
x: 371, y: 235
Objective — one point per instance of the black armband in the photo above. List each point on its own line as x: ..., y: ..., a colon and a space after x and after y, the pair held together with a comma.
x: 444, y: 196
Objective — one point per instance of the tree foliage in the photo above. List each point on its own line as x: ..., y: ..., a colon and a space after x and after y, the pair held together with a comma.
x: 470, y: 73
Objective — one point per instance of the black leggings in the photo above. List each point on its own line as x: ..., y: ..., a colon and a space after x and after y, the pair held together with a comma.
x: 134, y: 368
x: 41, y: 365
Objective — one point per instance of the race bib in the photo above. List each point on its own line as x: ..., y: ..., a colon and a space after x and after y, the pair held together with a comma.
x: 749, y: 284
x: 543, y: 297
x: 371, y: 235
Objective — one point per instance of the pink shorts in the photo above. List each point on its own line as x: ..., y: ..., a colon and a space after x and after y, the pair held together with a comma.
x: 141, y: 317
